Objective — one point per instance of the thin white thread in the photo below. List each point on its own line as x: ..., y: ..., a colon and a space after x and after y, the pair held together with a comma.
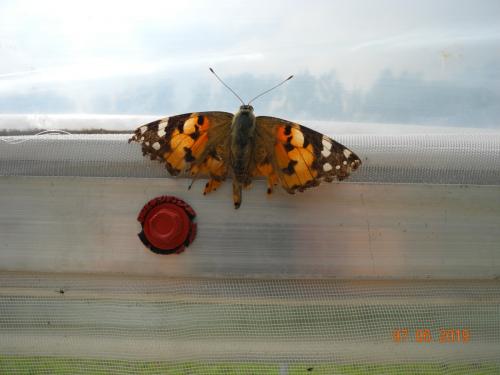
x: 16, y: 140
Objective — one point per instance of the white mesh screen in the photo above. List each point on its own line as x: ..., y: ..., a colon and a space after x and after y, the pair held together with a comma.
x: 132, y: 325
x: 419, y: 158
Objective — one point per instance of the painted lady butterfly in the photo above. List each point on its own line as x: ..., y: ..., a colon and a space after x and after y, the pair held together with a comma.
x: 243, y: 146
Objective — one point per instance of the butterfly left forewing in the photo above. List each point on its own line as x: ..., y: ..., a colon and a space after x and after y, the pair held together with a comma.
x: 300, y: 157
x: 192, y: 143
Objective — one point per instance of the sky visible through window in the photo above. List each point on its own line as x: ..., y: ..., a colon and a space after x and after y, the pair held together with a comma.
x: 404, y: 62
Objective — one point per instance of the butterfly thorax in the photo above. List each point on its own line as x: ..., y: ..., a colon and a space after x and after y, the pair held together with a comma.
x: 242, y: 143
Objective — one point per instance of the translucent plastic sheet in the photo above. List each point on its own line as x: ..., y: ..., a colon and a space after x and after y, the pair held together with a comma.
x: 345, y: 230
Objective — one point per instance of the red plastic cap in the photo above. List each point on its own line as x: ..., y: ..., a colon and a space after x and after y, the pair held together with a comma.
x: 167, y: 225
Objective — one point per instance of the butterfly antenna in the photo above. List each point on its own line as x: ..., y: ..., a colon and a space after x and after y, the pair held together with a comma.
x: 272, y: 88
x: 230, y: 89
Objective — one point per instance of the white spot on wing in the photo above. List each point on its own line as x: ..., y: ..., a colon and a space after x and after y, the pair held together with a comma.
x: 327, y: 167
x: 297, y: 138
x: 143, y: 129
x: 347, y: 153
x: 156, y: 146
x: 344, y: 162
x: 326, y: 145
x: 326, y: 153
x: 337, y: 167
x: 161, y: 127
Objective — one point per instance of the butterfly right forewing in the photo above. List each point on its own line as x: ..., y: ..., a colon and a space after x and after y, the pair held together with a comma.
x: 300, y: 157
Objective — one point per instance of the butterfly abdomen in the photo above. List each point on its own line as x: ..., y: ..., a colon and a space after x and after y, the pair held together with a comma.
x: 242, y: 145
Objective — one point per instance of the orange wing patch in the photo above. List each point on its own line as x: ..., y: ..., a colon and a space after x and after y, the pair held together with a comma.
x: 295, y: 162
x: 187, y: 143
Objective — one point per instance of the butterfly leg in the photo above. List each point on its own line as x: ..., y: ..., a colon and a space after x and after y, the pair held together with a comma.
x: 236, y: 194
x: 272, y: 180
x: 211, y: 185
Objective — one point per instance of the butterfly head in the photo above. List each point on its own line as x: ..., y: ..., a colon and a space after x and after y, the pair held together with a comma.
x: 245, y: 116
x: 246, y: 108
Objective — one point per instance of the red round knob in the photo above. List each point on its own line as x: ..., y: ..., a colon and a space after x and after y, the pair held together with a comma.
x: 167, y: 225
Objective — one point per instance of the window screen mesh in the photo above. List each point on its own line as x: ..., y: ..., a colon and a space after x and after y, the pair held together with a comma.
x: 418, y: 158
x: 98, y: 324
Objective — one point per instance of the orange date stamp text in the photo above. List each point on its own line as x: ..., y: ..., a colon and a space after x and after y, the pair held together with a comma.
x: 427, y: 335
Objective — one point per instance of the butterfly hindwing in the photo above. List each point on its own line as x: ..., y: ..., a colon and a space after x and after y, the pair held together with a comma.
x: 190, y: 143
x: 300, y: 157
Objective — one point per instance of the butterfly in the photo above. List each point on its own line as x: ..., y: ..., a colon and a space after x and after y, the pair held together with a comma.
x: 244, y: 146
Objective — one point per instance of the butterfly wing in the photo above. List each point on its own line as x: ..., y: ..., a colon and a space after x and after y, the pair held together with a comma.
x: 298, y: 157
x: 191, y: 143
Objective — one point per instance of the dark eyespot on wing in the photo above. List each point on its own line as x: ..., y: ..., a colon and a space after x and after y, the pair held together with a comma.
x: 306, y: 143
x: 289, y: 147
x: 180, y: 128
x: 290, y: 169
x: 188, y: 155
x: 196, y: 134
